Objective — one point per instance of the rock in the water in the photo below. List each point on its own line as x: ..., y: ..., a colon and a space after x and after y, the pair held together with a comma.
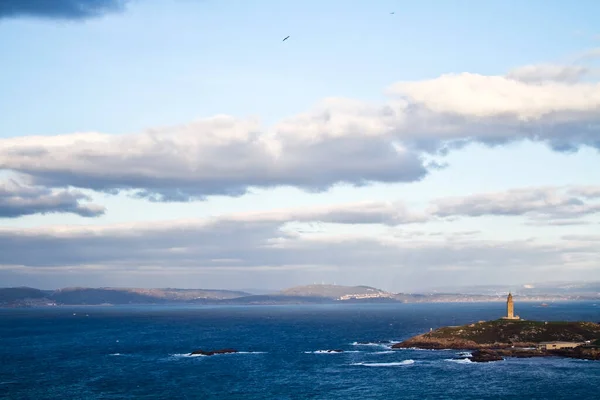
x: 212, y: 352
x: 335, y: 351
x: 485, y: 356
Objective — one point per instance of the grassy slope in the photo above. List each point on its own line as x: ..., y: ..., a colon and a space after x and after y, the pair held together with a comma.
x: 504, y: 331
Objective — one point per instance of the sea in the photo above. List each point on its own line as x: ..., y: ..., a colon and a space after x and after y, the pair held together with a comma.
x: 142, y: 352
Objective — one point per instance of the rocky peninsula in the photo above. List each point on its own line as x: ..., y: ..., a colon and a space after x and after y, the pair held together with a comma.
x: 494, y: 340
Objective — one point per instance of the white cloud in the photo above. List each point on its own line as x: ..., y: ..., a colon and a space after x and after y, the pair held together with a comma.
x: 478, y: 96
x: 340, y: 141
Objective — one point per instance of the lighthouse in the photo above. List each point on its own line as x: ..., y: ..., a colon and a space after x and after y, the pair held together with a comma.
x: 510, y: 308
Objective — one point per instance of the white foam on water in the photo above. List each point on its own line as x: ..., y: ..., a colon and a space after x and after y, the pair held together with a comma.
x: 420, y: 349
x: 384, y: 352
x: 115, y: 354
x: 370, y: 344
x: 460, y: 361
x: 465, y: 354
x: 389, y: 364
x: 327, y: 352
x: 188, y: 355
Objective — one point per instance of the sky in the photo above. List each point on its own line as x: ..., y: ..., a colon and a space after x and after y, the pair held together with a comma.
x: 398, y: 144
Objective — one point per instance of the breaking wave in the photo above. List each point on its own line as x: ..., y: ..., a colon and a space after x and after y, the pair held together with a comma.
x: 460, y: 360
x: 188, y: 355
x: 420, y: 349
x: 331, y: 352
x: 386, y: 345
x: 388, y: 364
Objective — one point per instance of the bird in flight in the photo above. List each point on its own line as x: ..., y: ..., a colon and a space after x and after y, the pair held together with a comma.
x: 286, y: 38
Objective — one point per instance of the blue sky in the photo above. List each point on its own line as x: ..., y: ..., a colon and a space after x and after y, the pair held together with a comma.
x: 136, y: 91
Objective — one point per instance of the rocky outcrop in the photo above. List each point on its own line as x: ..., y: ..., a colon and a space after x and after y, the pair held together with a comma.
x: 212, y: 352
x: 581, y: 352
x: 485, y: 356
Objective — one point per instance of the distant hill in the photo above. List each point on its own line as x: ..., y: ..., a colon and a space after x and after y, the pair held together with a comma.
x: 96, y: 296
x: 277, y: 299
x: 8, y: 295
x: 309, y: 294
x: 337, y: 292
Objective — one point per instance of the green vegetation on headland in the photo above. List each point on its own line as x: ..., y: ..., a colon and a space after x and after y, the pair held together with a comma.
x: 493, y: 340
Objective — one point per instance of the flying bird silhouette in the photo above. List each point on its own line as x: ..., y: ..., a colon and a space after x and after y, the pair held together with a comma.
x: 286, y: 38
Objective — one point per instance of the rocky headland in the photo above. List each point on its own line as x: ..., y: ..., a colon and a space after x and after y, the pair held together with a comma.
x: 494, y: 340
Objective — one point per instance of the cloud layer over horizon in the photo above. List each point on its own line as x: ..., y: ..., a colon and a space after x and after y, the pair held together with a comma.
x: 264, y: 241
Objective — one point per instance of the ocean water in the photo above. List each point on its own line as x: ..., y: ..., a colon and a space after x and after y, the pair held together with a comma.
x: 132, y: 352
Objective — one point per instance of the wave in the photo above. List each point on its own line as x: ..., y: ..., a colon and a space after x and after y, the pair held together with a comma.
x: 331, y: 352
x: 115, y: 354
x: 465, y: 354
x: 388, y: 364
x: 188, y: 355
x: 460, y: 360
x: 384, y: 352
x: 420, y: 349
x: 386, y: 345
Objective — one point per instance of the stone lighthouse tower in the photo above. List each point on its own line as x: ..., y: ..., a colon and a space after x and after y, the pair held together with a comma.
x: 510, y: 308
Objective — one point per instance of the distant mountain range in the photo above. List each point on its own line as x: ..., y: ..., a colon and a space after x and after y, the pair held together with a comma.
x: 311, y: 294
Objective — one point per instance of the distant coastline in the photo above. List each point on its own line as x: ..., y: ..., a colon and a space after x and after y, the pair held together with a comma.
x: 311, y: 294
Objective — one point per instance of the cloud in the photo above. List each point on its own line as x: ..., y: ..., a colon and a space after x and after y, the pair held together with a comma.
x: 582, y: 238
x: 258, y: 243
x: 542, y: 204
x: 475, y: 96
x: 548, y: 73
x: 215, y: 156
x: 17, y: 200
x: 386, y: 213
x: 262, y: 247
x: 59, y: 9
x: 588, y: 192
x: 340, y: 141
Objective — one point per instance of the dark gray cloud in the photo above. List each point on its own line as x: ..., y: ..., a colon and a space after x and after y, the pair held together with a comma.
x: 59, y: 9
x: 17, y: 200
x: 545, y: 205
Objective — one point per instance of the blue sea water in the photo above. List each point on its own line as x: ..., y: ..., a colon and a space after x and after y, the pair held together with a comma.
x: 132, y: 352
